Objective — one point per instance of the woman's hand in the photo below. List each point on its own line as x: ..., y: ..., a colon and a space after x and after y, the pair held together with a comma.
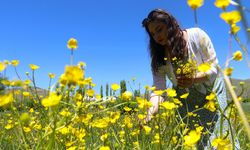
x: 184, y: 80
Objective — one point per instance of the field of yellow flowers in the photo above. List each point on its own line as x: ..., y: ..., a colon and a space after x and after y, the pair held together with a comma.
x: 67, y: 117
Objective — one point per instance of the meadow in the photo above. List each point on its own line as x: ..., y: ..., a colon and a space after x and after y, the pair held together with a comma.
x: 71, y: 115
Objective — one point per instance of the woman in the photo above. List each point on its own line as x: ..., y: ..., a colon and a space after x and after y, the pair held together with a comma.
x: 176, y: 53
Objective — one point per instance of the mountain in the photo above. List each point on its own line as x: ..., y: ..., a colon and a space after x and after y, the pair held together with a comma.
x: 238, y: 88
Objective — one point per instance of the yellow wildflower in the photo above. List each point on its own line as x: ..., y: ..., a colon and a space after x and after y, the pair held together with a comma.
x: 33, y: 67
x: 25, y: 118
x: 51, y: 75
x: 115, y: 87
x: 128, y: 122
x: 184, y: 96
x: 2, y: 66
x: 72, y: 75
x: 211, y: 96
x: 152, y: 88
x: 192, y: 138
x: 114, y: 116
x: 81, y: 64
x: 171, y: 92
x: 159, y: 92
x: 147, y: 129
x: 104, y: 148
x: 90, y: 92
x: 72, y: 148
x: 104, y: 137
x: 15, y: 62
x: 9, y: 126
x: 204, y: 67
x: 143, y: 103
x: 237, y: 56
x: 127, y: 95
x: 228, y: 71
x: 101, y: 123
x: 26, y: 129
x: 52, y: 100
x: 126, y: 108
x: 72, y: 44
x: 26, y: 94
x: 168, y: 105
x: 234, y: 28
x: 231, y: 17
x: 194, y: 4
x: 64, y: 130
x: 210, y: 105
x: 222, y: 3
x: 6, y: 99
x: 221, y: 144
x: 6, y: 62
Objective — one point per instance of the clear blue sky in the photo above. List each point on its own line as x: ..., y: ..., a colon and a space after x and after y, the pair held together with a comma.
x: 111, y: 40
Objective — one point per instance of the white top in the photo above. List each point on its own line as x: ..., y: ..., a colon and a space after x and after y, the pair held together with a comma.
x: 201, y: 50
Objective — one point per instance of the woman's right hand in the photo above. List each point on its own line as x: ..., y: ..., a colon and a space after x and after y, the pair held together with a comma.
x: 155, y: 100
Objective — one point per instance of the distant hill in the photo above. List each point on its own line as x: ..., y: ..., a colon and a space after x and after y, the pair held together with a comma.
x: 238, y: 89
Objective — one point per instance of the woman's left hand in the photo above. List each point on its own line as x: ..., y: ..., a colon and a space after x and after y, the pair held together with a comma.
x: 184, y: 81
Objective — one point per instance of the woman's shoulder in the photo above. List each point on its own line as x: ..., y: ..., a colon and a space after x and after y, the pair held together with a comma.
x: 195, y: 31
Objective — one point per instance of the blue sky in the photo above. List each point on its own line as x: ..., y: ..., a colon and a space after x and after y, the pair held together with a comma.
x: 111, y: 39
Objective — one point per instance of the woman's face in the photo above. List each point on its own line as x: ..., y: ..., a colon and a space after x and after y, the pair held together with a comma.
x: 158, y: 31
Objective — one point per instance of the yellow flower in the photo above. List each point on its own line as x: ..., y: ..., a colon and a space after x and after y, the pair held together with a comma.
x: 168, y: 105
x: 104, y: 137
x: 228, y: 71
x: 143, y: 103
x: 9, y: 126
x: 14, y: 62
x: 184, y: 96
x: 6, y: 99
x: 2, y: 66
x: 26, y: 94
x: 127, y: 95
x: 159, y: 92
x: 90, y: 92
x: 210, y: 105
x: 147, y: 129
x: 26, y: 129
x: 114, y: 116
x: 237, y: 56
x: 231, y: 17
x: 72, y: 75
x: 115, y: 87
x: 211, y: 96
x: 234, y: 28
x: 194, y: 4
x: 81, y: 64
x: 104, y: 148
x: 72, y: 148
x: 25, y: 118
x: 101, y: 123
x: 222, y: 3
x: 72, y: 44
x: 52, y: 100
x: 33, y: 67
x: 171, y: 92
x: 51, y: 75
x: 128, y: 122
x: 192, y: 138
x: 221, y: 144
x: 127, y: 108
x: 6, y: 62
x: 204, y: 67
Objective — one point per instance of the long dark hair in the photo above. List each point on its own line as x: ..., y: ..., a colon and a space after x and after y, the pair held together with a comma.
x: 176, y: 42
